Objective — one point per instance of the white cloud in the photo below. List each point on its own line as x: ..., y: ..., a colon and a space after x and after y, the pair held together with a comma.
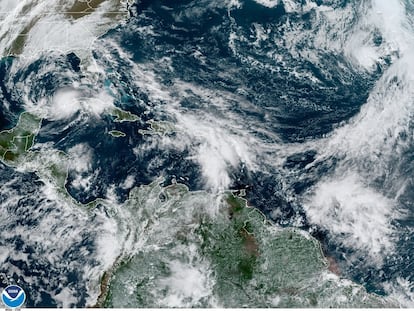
x: 356, y: 215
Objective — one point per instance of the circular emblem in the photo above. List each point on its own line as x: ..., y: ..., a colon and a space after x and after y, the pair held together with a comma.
x: 13, y: 296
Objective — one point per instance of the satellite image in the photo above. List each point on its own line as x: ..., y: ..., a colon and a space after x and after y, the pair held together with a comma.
x: 207, y: 153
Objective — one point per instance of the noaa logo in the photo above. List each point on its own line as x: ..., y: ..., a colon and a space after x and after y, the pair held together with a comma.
x: 13, y: 296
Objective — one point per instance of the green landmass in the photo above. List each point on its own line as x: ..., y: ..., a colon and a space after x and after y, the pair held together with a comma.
x: 123, y: 116
x: 158, y: 128
x: 15, y: 145
x: 16, y: 142
x: 116, y: 133
x: 50, y: 165
x: 230, y: 257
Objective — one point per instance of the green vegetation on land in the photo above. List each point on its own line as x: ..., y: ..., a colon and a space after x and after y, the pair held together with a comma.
x: 15, y: 143
x: 123, y: 116
x: 229, y: 257
x: 51, y: 165
x: 116, y: 133
x: 158, y: 128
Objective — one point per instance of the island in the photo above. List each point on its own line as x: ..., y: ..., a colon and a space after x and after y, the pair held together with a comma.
x: 122, y: 115
x: 158, y: 128
x: 115, y: 133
